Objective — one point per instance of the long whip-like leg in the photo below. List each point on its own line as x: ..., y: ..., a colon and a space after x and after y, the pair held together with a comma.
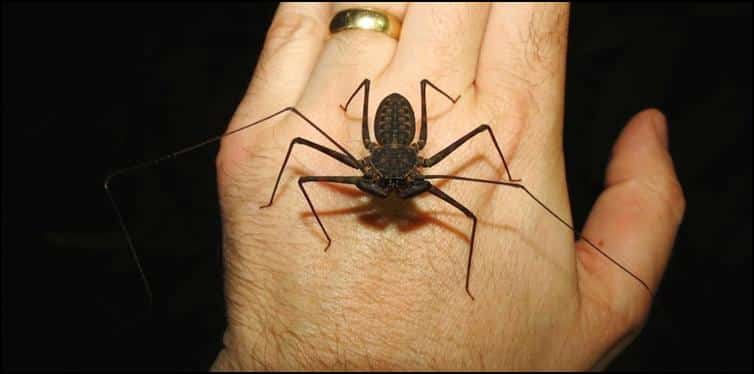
x: 217, y: 138
x: 429, y: 162
x: 578, y: 234
x: 334, y: 154
x: 365, y: 114
x: 179, y: 152
x: 423, y: 130
x: 129, y: 241
x: 437, y: 192
x: 333, y: 179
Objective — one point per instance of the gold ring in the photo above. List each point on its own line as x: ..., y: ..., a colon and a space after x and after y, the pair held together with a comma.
x: 366, y: 19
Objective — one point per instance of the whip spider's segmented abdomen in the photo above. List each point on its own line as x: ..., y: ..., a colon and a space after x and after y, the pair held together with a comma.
x: 394, y: 123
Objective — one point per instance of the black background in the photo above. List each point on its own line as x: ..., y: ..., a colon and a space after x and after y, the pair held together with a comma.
x: 90, y: 88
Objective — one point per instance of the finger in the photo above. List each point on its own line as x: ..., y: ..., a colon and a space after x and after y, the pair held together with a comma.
x: 440, y: 43
x: 293, y: 43
x: 635, y: 219
x: 350, y: 56
x: 522, y: 60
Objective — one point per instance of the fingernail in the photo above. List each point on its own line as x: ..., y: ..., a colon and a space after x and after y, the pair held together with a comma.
x: 661, y: 128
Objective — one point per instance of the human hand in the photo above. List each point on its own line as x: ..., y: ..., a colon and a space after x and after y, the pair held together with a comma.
x: 390, y: 291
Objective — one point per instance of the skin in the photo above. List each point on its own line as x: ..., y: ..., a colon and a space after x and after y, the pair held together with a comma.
x: 389, y: 293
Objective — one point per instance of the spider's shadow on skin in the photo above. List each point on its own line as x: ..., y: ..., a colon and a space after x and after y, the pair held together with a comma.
x: 379, y: 213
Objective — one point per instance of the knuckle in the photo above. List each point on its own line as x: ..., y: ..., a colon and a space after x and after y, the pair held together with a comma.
x: 677, y: 199
x: 671, y: 194
x: 537, y: 54
x: 224, y: 164
x: 665, y: 195
x: 547, y: 36
x: 291, y: 27
x: 511, y: 105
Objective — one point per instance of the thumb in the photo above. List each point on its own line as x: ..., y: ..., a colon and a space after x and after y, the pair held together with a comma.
x: 635, y: 219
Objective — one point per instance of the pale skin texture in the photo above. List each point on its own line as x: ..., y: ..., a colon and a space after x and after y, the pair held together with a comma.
x: 389, y: 293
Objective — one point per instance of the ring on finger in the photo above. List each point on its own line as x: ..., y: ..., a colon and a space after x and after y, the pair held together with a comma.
x: 366, y: 19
